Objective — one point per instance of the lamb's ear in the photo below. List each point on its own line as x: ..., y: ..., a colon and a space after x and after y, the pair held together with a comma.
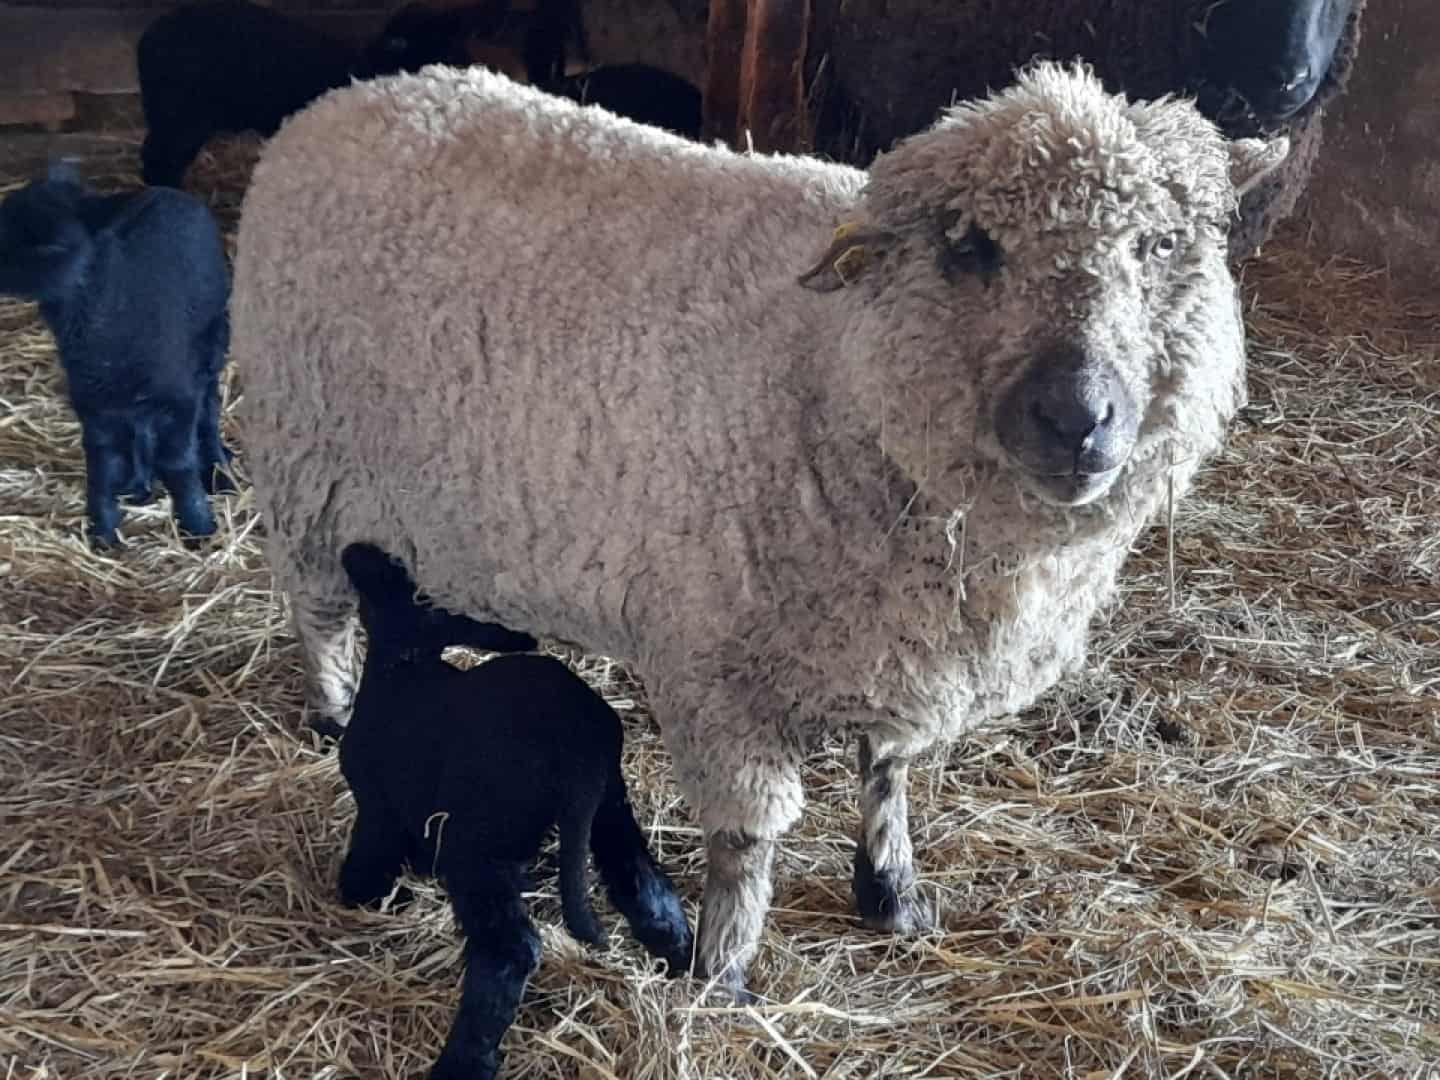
x: 1251, y: 160
x: 852, y: 248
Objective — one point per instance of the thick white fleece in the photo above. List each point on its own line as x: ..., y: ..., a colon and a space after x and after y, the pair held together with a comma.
x: 560, y: 364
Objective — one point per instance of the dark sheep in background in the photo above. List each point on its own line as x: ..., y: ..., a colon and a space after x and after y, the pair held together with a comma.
x: 463, y: 773
x: 227, y: 66
x: 1257, y: 67
x: 134, y: 287
x: 643, y: 93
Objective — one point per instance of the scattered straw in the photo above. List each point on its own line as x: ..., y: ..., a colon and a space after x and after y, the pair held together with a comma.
x: 1217, y: 854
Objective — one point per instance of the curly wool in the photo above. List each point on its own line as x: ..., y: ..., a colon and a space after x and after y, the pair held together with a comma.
x: 559, y: 364
x: 1139, y: 47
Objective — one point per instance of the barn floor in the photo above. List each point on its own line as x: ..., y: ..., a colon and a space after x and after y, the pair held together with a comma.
x: 1216, y: 855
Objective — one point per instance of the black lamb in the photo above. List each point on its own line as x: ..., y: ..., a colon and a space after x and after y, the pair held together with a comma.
x: 643, y: 93
x: 134, y: 287
x: 226, y: 66
x: 463, y: 773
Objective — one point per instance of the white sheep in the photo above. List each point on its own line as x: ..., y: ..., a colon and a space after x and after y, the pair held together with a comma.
x: 588, y: 380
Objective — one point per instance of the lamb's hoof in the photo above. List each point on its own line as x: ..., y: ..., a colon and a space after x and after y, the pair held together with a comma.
x: 485, y: 1066
x: 886, y: 901
x: 140, y: 496
x: 105, y: 543
x: 587, y: 932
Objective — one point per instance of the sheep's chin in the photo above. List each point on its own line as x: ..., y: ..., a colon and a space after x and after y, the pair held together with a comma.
x: 1070, y: 489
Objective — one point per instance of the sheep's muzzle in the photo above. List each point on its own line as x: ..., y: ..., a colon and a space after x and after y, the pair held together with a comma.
x: 1068, y: 424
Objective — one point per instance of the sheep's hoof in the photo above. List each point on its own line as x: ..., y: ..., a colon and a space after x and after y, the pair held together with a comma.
x: 729, y: 984
x: 886, y: 899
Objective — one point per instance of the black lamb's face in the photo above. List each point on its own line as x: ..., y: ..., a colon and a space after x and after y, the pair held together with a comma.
x: 1273, y: 55
x: 417, y: 35
x: 41, y: 239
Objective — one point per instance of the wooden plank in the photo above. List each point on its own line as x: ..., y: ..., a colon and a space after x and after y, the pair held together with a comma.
x: 49, y: 110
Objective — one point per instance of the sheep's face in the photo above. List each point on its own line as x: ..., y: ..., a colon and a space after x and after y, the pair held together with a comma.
x: 41, y: 239
x: 1267, y: 59
x: 1035, y: 280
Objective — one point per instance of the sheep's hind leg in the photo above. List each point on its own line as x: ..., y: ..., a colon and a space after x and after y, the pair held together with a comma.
x: 501, y: 950
x: 884, y: 862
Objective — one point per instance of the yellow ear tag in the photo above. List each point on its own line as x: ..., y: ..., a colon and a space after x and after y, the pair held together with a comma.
x: 850, y: 263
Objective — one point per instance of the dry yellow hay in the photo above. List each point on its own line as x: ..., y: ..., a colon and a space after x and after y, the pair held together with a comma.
x: 1215, y: 855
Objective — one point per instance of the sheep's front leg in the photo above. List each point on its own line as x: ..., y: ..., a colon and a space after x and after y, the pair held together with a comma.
x: 738, y: 889
x: 326, y: 628
x: 884, y: 861
x: 742, y: 777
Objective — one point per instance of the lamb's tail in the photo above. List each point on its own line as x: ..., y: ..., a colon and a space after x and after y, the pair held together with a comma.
x: 637, y: 885
x: 404, y: 623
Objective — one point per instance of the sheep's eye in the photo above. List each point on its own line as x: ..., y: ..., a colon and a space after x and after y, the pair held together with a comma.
x: 1158, y: 247
x: 973, y: 253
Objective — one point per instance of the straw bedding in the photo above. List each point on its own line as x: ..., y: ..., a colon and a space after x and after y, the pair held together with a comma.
x: 1217, y: 854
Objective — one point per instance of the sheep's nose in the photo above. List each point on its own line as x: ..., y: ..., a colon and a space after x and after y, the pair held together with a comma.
x: 1070, y: 414
x: 1289, y: 90
x: 1291, y: 79
x: 1074, y: 418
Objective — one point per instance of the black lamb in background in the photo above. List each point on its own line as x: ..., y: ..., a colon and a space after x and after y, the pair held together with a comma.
x: 227, y: 66
x: 134, y: 287
x: 464, y: 773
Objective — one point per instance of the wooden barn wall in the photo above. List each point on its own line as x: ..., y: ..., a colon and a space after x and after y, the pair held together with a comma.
x: 1376, y: 190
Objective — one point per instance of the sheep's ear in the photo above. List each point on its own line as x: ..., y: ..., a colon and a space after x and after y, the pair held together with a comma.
x: 1251, y: 160
x: 851, y: 250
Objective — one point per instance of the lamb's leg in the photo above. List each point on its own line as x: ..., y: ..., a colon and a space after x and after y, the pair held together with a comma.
x: 501, y: 950
x: 378, y: 846
x: 884, y: 861
x: 107, y: 468
x: 636, y: 884
x: 177, y: 460
x: 140, y: 486
x: 575, y: 826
